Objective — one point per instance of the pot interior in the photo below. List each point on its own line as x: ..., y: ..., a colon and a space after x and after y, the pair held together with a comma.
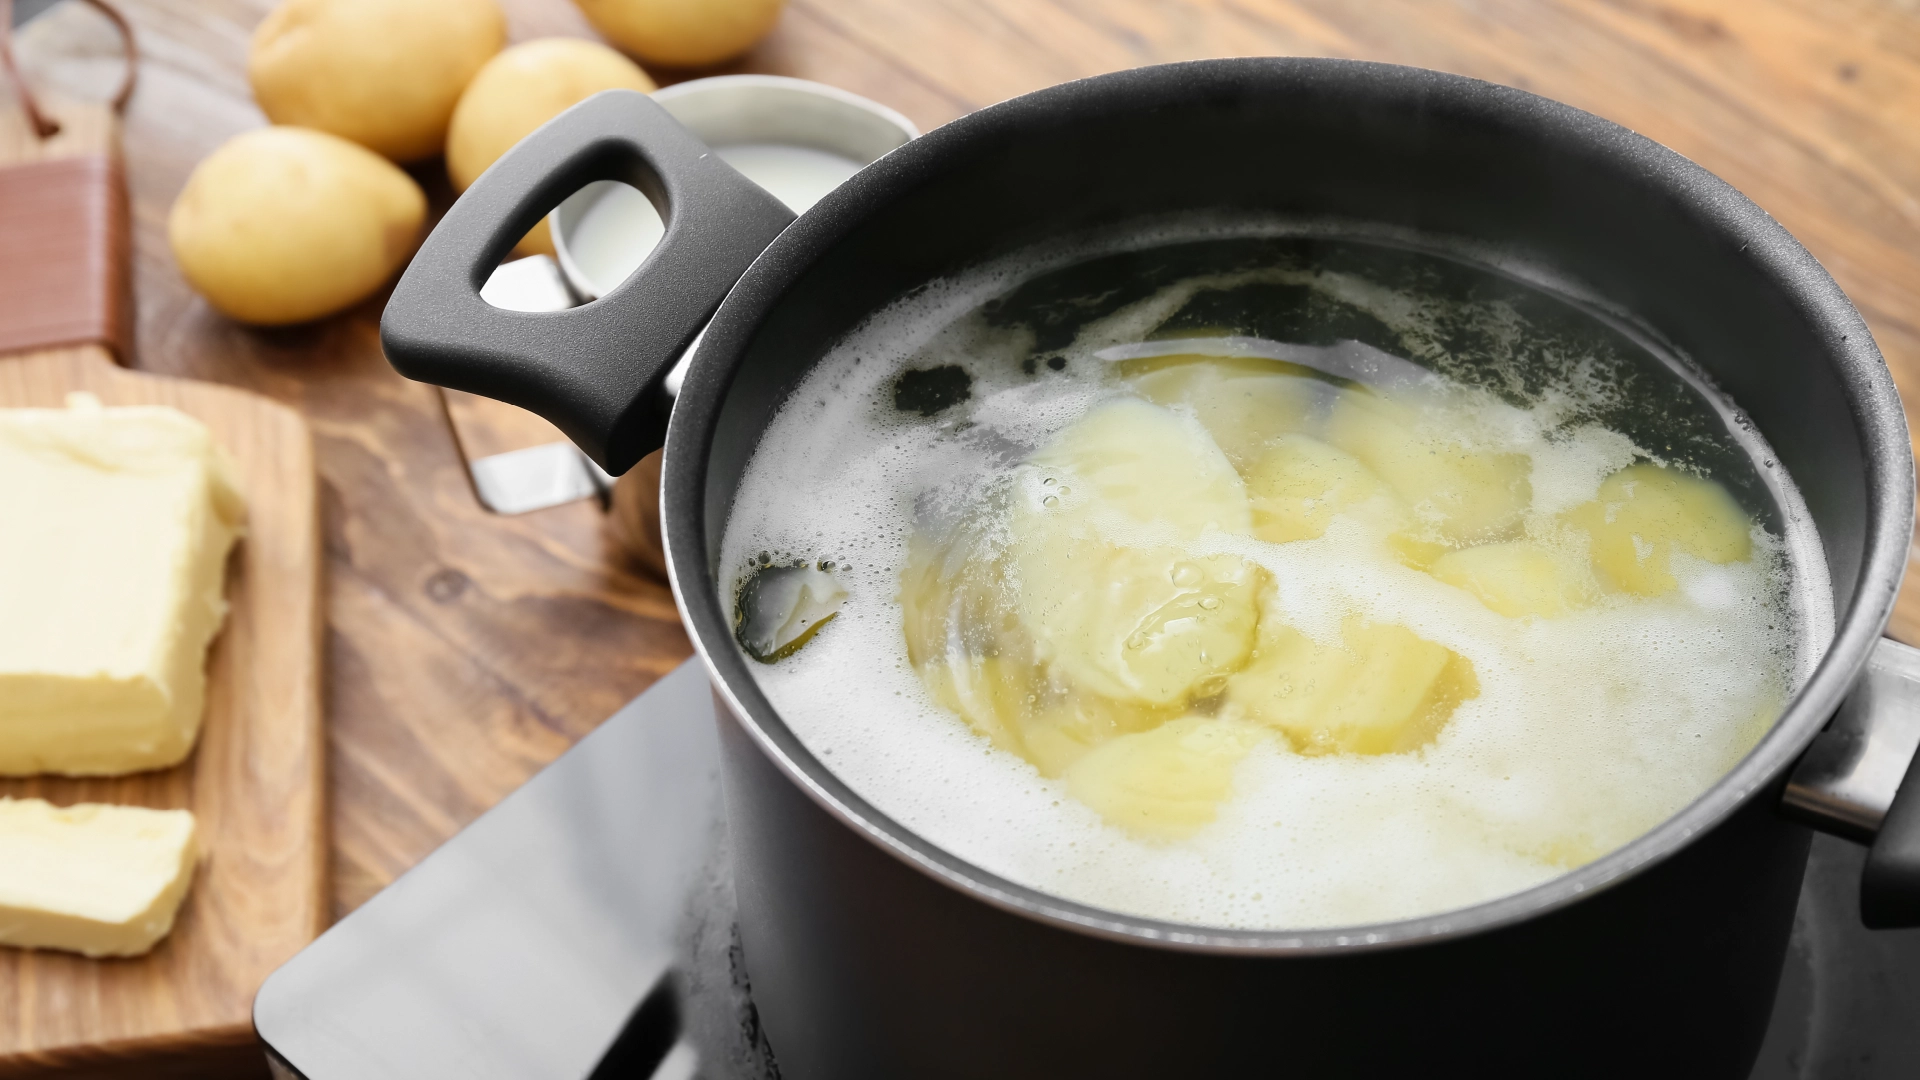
x: 1491, y: 175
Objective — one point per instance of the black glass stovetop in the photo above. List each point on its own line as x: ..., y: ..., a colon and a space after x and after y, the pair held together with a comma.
x: 584, y: 928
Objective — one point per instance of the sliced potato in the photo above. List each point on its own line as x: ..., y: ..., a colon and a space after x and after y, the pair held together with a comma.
x: 1517, y: 578
x: 1299, y: 483
x: 1645, y: 513
x: 1153, y: 626
x: 1122, y: 615
x: 987, y: 692
x: 1382, y: 690
x: 1166, y: 783
x: 1243, y: 402
x: 1414, y: 547
x: 1149, y: 464
x: 1012, y: 702
x: 950, y: 598
x: 1468, y: 496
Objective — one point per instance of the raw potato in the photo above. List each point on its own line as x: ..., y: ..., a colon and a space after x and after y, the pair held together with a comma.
x: 1517, y: 579
x: 1382, y: 690
x: 683, y: 33
x: 384, y: 73
x: 519, y: 90
x: 1645, y: 513
x: 1166, y: 783
x: 282, y: 225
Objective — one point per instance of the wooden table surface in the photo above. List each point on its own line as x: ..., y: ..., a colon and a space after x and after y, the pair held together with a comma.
x: 466, y: 650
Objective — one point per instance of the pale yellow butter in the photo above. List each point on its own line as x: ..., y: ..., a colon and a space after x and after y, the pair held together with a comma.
x: 92, y: 879
x: 114, y: 531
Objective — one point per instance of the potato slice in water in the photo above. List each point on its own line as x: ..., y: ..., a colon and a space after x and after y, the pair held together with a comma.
x: 1134, y: 618
x: 1151, y: 465
x: 1518, y: 578
x: 1243, y: 402
x: 1166, y: 783
x: 977, y: 659
x: 1382, y: 690
x: 987, y: 692
x: 1299, y: 483
x: 1011, y: 701
x: 1151, y: 625
x: 1645, y: 513
x: 1468, y: 496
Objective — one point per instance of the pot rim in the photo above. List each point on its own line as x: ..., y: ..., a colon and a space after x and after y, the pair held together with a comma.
x: 1768, y: 247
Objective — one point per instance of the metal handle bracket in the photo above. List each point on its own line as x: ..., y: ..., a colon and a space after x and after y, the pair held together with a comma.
x: 1846, y: 781
x: 1852, y: 783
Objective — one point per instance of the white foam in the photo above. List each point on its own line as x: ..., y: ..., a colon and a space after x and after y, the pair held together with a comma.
x: 1597, y: 725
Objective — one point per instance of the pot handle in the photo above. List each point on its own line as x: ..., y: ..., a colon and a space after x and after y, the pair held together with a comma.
x: 595, y: 371
x: 1858, y: 781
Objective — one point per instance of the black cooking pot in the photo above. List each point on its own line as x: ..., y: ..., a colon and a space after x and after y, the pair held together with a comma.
x: 874, y: 954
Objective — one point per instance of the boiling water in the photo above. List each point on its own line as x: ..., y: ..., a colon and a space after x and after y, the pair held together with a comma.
x: 1268, y: 581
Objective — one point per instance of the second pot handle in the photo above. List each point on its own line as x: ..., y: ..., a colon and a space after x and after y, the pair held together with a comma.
x: 595, y: 371
x: 1859, y: 781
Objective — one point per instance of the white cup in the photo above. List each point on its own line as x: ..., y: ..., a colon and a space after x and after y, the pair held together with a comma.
x: 797, y: 139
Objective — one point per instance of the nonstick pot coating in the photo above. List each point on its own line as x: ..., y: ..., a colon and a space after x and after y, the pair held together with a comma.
x: 1518, y: 181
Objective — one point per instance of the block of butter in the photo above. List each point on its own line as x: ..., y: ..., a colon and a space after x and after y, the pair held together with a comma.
x: 114, y: 531
x: 92, y: 879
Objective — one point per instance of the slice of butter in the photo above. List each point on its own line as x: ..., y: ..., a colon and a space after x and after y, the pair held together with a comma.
x: 114, y: 531
x: 92, y: 879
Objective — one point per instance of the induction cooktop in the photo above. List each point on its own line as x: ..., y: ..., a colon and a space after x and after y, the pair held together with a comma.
x: 583, y: 928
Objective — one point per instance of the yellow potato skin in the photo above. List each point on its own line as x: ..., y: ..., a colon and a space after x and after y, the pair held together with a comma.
x: 522, y: 88
x: 1646, y: 512
x: 683, y: 33
x: 383, y: 73
x: 283, y: 225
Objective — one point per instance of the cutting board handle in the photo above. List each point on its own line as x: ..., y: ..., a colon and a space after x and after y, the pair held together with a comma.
x: 45, y: 126
x: 64, y: 216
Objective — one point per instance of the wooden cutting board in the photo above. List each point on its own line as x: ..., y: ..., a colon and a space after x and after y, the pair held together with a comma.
x: 254, y: 780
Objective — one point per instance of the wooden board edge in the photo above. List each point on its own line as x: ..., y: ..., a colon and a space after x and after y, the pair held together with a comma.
x: 213, y: 1053
x: 322, y: 853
